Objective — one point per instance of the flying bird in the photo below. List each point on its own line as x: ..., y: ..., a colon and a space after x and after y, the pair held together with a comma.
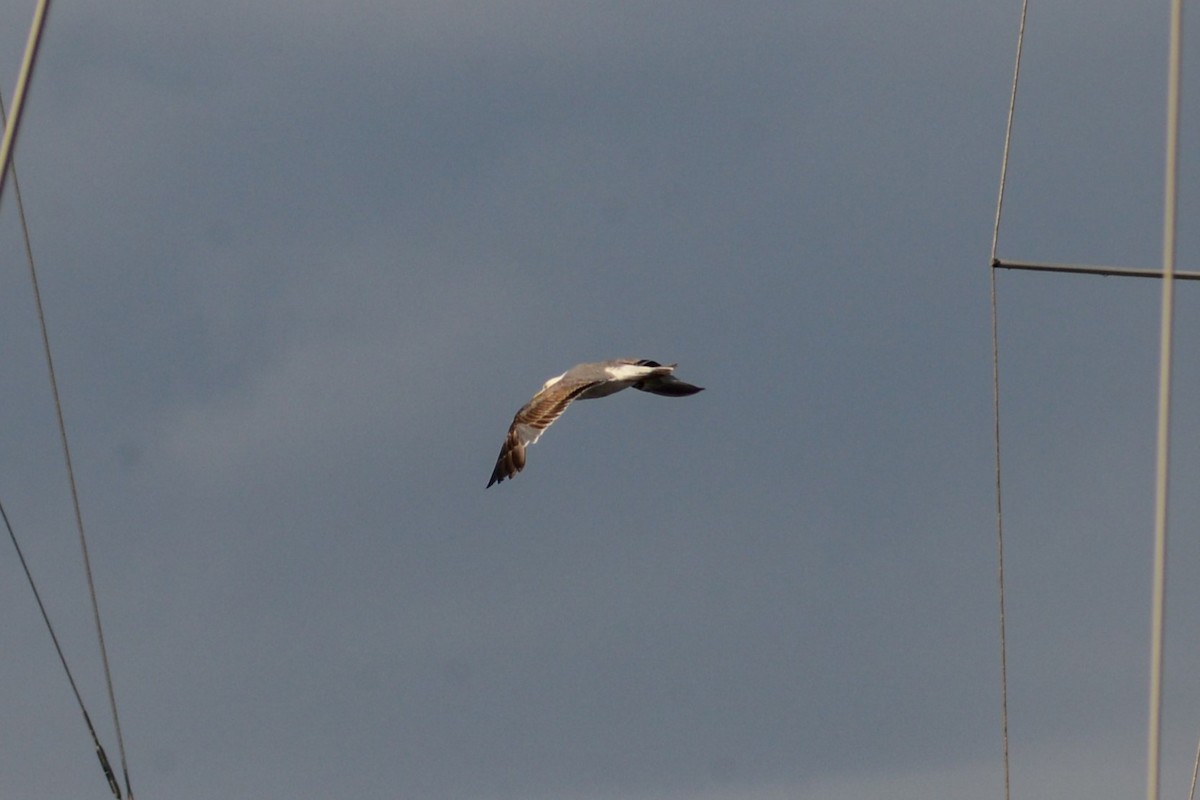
x: 581, y: 382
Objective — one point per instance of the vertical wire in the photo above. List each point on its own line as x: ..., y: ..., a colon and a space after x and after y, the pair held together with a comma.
x: 1162, y: 462
x: 1012, y: 104
x: 1000, y: 539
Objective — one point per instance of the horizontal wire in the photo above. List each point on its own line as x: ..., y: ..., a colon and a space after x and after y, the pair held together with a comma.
x: 1087, y: 269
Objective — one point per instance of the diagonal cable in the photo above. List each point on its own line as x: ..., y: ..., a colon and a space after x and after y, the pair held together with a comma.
x: 8, y: 142
x: 37, y: 596
x: 7, y: 168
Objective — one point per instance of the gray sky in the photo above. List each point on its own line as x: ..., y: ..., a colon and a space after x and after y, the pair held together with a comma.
x: 303, y: 261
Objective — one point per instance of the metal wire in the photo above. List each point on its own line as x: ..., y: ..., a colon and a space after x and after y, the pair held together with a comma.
x: 87, y: 720
x: 7, y: 144
x: 1012, y: 105
x: 1086, y: 269
x: 100, y: 754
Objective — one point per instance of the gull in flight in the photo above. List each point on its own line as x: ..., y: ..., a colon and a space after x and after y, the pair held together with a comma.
x: 581, y: 382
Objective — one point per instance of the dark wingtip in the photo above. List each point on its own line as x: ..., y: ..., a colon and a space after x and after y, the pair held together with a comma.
x: 497, y: 472
x: 497, y: 475
x: 682, y: 389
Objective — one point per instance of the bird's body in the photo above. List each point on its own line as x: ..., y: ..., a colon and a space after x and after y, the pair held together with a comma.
x: 581, y: 382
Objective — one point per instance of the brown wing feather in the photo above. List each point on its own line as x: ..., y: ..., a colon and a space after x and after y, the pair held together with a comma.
x: 539, y: 414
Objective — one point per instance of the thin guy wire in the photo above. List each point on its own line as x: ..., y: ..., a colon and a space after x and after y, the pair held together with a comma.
x: 104, y: 763
x: 40, y: 12
x: 1162, y: 465
x: 1012, y: 105
x: 108, y: 773
x: 100, y: 751
x: 10, y: 125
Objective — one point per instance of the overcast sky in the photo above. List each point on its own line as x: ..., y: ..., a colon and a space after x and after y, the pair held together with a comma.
x: 303, y: 261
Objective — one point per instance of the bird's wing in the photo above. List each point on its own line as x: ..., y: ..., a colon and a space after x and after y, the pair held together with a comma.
x: 533, y: 419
